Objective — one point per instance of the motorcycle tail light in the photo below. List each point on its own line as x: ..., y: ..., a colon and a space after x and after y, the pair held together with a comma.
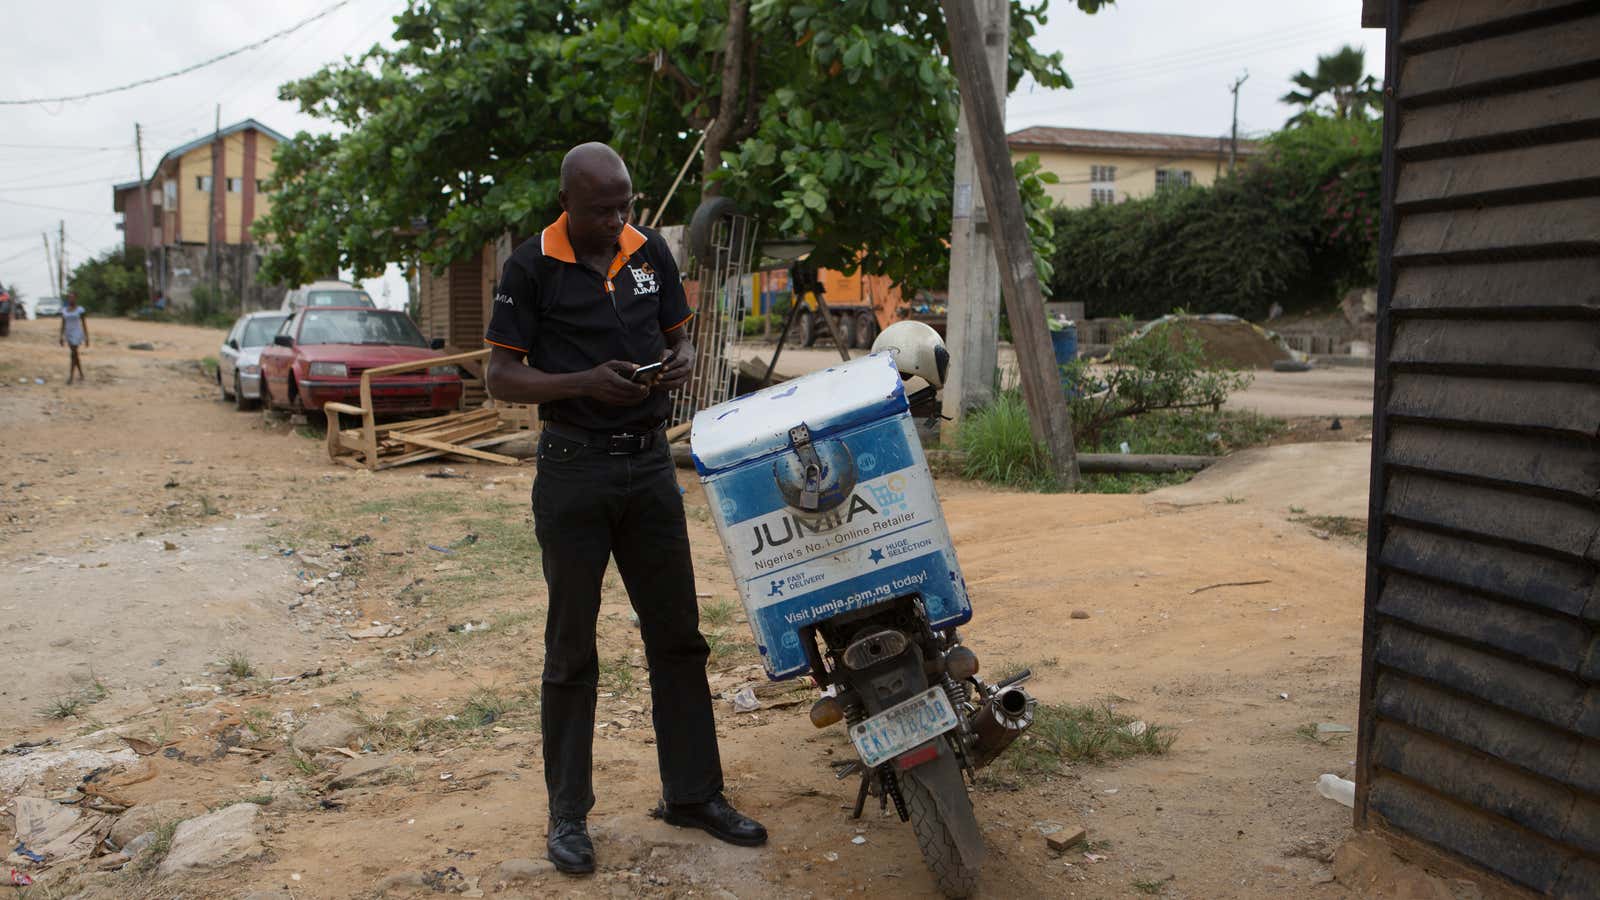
x: 961, y: 662
x: 827, y: 711
x: 913, y: 758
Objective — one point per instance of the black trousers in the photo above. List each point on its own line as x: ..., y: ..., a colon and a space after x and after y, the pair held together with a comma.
x: 588, y: 507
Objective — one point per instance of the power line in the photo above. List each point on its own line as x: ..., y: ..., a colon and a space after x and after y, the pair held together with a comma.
x: 81, y: 212
x: 185, y: 70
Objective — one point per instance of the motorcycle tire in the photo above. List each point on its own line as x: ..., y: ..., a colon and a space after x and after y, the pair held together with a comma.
x: 956, y: 879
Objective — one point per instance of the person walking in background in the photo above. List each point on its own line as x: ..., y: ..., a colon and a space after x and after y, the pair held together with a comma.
x: 74, y: 333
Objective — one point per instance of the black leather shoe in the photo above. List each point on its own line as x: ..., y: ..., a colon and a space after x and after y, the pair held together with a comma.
x: 569, y: 847
x: 716, y: 817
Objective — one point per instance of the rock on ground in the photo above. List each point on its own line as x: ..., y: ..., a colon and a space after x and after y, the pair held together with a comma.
x: 364, y: 771
x: 142, y: 818
x: 513, y: 871
x: 229, y: 835
x: 333, y: 729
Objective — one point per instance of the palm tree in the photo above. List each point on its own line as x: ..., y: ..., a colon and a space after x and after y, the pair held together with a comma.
x: 1339, y: 78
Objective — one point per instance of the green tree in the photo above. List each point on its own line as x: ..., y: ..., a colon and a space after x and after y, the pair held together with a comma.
x: 112, y: 283
x: 1339, y: 87
x: 833, y: 120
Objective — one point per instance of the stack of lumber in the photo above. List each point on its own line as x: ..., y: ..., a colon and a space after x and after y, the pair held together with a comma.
x: 462, y: 434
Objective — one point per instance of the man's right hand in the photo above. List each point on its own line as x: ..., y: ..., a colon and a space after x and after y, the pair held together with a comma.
x: 611, y: 383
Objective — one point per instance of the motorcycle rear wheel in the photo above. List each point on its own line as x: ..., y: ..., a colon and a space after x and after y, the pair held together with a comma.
x: 956, y: 879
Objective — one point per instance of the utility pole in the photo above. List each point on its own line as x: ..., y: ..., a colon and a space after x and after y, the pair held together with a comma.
x: 973, y: 323
x: 49, y: 264
x: 144, y: 191
x: 1233, y: 143
x: 61, y: 259
x: 218, y: 203
x: 1048, y: 415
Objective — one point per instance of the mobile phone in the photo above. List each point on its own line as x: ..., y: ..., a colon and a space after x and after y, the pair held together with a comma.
x: 648, y: 374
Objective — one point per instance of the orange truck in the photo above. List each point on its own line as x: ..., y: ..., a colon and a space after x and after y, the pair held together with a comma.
x: 862, y: 305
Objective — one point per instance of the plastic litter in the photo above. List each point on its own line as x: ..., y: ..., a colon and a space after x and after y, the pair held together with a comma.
x: 858, y: 839
x: 745, y: 700
x: 23, y: 851
x: 19, y: 879
x: 1335, y: 788
x: 440, y: 549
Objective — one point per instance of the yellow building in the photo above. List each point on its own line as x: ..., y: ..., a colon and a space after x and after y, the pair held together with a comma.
x: 209, y: 190
x: 1112, y: 166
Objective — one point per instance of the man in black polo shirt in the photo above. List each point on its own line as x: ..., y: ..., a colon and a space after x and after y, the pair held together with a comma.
x: 587, y: 302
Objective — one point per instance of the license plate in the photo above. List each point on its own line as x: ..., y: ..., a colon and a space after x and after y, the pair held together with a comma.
x: 899, y: 728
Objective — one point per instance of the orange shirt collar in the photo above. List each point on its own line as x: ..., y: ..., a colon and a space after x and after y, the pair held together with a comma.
x: 553, y: 242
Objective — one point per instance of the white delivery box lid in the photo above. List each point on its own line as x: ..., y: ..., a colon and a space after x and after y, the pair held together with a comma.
x: 875, y: 532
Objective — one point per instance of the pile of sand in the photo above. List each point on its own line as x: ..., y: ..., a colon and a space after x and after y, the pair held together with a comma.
x: 1228, y: 341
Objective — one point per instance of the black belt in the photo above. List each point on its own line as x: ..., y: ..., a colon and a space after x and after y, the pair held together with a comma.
x: 616, y: 443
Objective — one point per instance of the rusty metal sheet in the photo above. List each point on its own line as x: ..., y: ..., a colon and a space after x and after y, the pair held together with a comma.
x: 1549, y: 462
x: 1533, y: 521
x: 1482, y: 65
x: 1562, y: 586
x: 1515, y: 739
x: 1497, y: 402
x: 1549, y: 640
x: 1554, y: 810
x: 1461, y: 181
x: 1551, y: 348
x: 1557, y: 699
x: 1570, y: 225
x: 1507, y: 286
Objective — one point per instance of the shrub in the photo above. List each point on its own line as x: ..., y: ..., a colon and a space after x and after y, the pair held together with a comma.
x: 112, y: 283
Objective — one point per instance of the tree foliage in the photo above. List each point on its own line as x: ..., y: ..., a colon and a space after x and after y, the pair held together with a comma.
x: 1338, y: 87
x: 1296, y: 227
x: 112, y: 283
x: 829, y: 119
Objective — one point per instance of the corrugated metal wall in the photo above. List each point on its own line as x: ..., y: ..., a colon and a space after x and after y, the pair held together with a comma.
x: 1481, y: 666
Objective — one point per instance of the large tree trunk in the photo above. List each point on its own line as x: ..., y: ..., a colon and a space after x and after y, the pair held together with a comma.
x: 735, y: 44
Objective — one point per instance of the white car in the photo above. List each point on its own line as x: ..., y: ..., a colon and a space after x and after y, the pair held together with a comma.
x: 46, y: 306
x: 326, y: 293
x: 239, y: 360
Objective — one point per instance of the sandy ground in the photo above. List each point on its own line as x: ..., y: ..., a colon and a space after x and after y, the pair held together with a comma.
x: 1323, y: 392
x: 103, y: 476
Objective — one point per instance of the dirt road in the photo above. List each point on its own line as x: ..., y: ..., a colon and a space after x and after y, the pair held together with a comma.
x: 279, y: 556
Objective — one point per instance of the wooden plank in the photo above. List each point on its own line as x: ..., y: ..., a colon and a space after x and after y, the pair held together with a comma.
x: 1562, y: 586
x: 1049, y: 417
x: 1497, y: 402
x: 1547, y: 462
x: 1498, y: 61
x: 414, y: 365
x: 1570, y: 529
x: 1438, y: 21
x: 1553, y: 810
x: 1553, y: 641
x: 1466, y: 180
x: 1549, y: 751
x: 1572, y: 225
x: 457, y: 449
x: 1518, y: 855
x: 1510, y: 286
x: 420, y: 455
x: 1499, y: 119
x: 1558, y: 700
x: 1551, y: 348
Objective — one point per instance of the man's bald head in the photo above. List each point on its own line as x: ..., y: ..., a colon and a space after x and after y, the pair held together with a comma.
x: 593, y: 162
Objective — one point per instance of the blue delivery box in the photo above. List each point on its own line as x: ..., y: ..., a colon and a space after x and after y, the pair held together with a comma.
x: 825, y: 504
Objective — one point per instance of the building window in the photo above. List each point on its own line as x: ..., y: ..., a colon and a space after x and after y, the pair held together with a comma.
x: 1173, y: 178
x: 202, y: 183
x: 1103, y: 174
x: 169, y: 194
x: 1102, y: 196
x: 261, y: 186
x: 235, y: 185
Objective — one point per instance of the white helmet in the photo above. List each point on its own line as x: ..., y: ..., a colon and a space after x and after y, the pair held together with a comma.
x: 917, y: 349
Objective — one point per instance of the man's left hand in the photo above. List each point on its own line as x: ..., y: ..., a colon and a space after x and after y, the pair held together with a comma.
x: 680, y: 364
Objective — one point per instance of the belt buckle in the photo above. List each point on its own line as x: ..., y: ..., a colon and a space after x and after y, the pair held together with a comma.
x: 624, y: 444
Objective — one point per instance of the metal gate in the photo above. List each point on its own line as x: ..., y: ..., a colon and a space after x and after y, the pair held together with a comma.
x: 718, y: 278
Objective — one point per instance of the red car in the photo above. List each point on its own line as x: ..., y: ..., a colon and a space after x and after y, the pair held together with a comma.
x: 319, y: 354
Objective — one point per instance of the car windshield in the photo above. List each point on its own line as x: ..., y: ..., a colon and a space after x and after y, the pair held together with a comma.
x: 359, y: 326
x: 258, y: 332
x: 338, y: 298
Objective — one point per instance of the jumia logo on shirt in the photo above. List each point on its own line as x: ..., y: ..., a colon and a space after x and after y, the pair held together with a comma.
x: 644, y: 279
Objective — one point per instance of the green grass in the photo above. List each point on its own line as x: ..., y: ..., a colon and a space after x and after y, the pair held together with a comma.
x: 208, y: 365
x: 65, y: 707
x: 1151, y: 886
x: 718, y: 612
x: 159, y: 848
x: 1011, y: 670
x: 1000, y: 449
x: 617, y: 674
x: 1339, y: 526
x: 1066, y: 733
x: 305, y: 765
x: 237, y: 664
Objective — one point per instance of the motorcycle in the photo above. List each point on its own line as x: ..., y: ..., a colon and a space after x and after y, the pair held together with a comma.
x: 823, y: 498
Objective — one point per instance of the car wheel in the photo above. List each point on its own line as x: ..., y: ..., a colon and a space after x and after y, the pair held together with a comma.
x: 808, y: 329
x: 239, y: 401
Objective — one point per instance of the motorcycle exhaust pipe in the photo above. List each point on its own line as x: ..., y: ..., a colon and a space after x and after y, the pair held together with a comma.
x: 999, y: 721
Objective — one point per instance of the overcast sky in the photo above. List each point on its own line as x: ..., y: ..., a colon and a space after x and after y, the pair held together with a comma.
x: 1141, y: 65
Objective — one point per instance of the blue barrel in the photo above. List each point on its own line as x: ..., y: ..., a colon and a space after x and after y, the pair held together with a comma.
x: 1065, y: 343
